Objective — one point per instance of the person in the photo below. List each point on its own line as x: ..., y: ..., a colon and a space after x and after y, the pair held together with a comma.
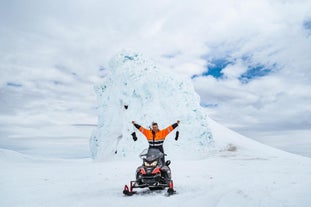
x: 155, y: 136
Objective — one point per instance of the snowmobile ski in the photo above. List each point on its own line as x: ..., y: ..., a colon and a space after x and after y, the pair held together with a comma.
x: 170, y: 192
x: 128, y: 191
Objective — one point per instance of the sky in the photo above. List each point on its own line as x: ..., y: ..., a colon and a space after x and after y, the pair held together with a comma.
x: 250, y: 61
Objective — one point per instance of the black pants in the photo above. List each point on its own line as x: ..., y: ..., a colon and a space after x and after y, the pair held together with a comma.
x: 161, y: 150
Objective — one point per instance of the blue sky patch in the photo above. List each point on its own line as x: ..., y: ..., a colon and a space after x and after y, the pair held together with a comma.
x: 12, y: 84
x: 214, y: 68
x: 255, y: 72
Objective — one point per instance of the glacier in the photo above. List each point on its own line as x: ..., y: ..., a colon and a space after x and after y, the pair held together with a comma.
x: 135, y: 88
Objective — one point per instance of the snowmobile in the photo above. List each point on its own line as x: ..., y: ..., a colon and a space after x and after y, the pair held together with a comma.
x: 154, y: 173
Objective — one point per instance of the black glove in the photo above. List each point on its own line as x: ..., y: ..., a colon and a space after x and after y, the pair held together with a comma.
x: 134, y: 136
x: 177, y: 135
x: 137, y: 125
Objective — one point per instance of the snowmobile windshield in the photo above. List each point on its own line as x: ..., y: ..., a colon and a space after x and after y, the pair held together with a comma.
x: 151, y: 154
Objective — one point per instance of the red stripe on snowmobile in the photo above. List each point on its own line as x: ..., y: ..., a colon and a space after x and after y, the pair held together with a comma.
x: 156, y: 170
x: 142, y: 171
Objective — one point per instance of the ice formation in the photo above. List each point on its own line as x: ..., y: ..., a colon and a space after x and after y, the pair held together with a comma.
x: 136, y: 89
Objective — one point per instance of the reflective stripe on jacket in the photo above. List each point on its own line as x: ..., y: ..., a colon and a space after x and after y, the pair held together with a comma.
x: 158, y: 138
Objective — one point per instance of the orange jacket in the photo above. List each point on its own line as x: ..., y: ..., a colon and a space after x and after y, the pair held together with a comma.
x: 158, y: 138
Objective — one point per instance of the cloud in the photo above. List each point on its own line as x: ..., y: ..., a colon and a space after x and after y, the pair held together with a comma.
x: 54, y: 50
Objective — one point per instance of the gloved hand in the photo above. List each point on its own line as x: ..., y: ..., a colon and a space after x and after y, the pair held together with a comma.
x: 134, y: 136
x: 177, y: 135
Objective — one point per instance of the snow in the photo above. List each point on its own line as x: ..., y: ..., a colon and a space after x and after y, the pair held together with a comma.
x: 220, y: 168
x: 245, y: 177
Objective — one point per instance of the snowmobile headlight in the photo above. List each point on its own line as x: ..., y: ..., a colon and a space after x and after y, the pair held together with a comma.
x: 154, y: 163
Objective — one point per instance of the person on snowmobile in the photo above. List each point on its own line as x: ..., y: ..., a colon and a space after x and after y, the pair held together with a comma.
x: 155, y: 136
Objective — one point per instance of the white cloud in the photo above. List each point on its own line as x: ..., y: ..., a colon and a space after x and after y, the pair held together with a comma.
x: 234, y: 71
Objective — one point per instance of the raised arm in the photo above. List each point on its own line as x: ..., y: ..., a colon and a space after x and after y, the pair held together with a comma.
x: 170, y: 128
x: 143, y: 130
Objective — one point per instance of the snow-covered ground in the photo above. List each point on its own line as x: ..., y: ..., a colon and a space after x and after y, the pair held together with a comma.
x: 297, y: 143
x: 253, y: 175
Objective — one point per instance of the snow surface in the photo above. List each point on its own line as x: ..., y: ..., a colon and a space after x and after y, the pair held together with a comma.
x: 222, y: 169
x: 249, y: 176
